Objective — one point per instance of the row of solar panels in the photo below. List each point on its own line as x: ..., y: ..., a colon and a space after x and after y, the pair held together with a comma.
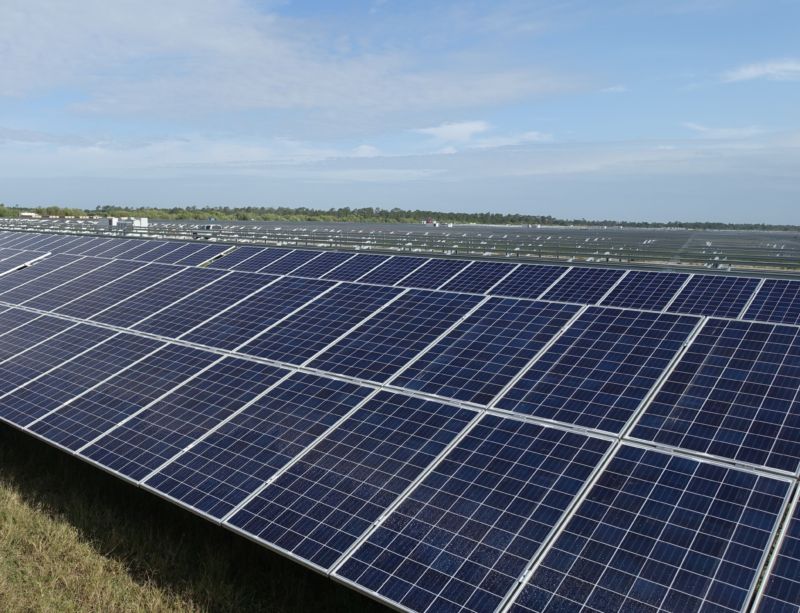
x: 428, y: 505
x: 771, y: 300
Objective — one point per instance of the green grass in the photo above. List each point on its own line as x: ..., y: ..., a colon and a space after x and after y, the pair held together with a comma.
x: 73, y: 538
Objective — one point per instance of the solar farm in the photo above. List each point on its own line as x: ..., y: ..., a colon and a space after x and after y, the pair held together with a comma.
x: 440, y: 434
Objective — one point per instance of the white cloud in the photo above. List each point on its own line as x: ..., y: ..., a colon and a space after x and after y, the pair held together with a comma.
x: 614, y: 89
x: 455, y: 132
x: 512, y: 140
x: 774, y: 70
x: 723, y: 133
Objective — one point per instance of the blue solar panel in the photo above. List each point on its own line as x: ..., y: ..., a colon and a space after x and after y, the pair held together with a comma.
x: 479, y: 277
x: 356, y: 267
x: 197, y: 308
x: 103, y: 407
x: 223, y: 469
x: 32, y: 281
x: 239, y: 255
x: 600, y: 370
x: 136, y: 308
x: 720, y: 296
x: 777, y: 301
x: 115, y: 247
x: 56, y: 297
x: 29, y: 334
x: 11, y: 318
x: 287, y: 264
x: 385, y: 343
x: 203, y: 255
x: 322, y: 264
x: 464, y: 536
x: 433, y: 273
x: 251, y: 316
x: 95, y: 246
x: 332, y: 494
x: 393, y: 270
x: 310, y: 330
x: 261, y: 259
x: 87, y: 244
x: 161, y: 431
x: 59, y: 385
x: 100, y: 299
x: 528, y: 281
x: 174, y: 255
x: 159, y: 252
x: 141, y: 250
x: 480, y: 356
x: 645, y: 290
x: 659, y: 533
x: 733, y: 394
x: 15, y: 262
x: 584, y: 285
x: 781, y: 588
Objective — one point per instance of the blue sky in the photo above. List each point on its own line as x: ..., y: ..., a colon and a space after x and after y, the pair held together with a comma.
x: 627, y: 109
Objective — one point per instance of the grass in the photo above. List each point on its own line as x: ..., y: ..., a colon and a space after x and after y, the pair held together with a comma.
x: 73, y: 538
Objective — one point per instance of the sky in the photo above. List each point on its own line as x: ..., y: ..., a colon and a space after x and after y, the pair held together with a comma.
x: 613, y: 109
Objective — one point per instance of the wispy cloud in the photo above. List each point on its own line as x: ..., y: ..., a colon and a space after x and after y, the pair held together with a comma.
x: 773, y: 70
x: 455, y: 132
x: 614, y: 89
x: 723, y: 133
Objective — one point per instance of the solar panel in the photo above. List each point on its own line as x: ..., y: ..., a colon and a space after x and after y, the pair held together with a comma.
x: 356, y: 267
x: 322, y: 264
x: 332, y: 494
x: 463, y: 537
x: 393, y: 270
x: 87, y: 416
x: 15, y: 262
x: 202, y: 255
x: 29, y: 334
x: 481, y: 355
x: 720, y: 296
x: 141, y: 250
x: 95, y: 246
x: 220, y: 471
x: 260, y: 260
x: 113, y: 248
x: 734, y: 395
x: 152, y: 436
x: 242, y: 322
x: 780, y: 592
x: 40, y: 268
x: 584, y: 285
x: 11, y: 318
x: 108, y: 295
x: 305, y: 333
x: 159, y: 252
x: 174, y: 255
x: 600, y: 370
x: 237, y: 256
x: 287, y: 264
x: 58, y: 296
x: 152, y: 300
x: 479, y: 277
x: 528, y: 281
x: 645, y: 290
x: 659, y: 532
x: 433, y: 273
x: 777, y: 301
x: 51, y: 390
x: 381, y: 346
x: 197, y: 308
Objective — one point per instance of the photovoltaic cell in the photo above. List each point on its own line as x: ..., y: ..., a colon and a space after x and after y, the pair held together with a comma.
x: 381, y: 346
x: 136, y: 308
x: 464, y: 536
x: 114, y: 248
x: 734, y: 395
x: 433, y: 273
x: 261, y: 259
x: 202, y: 255
x: 479, y: 277
x: 719, y: 296
x: 599, y: 371
x: 322, y: 264
x: 781, y: 591
x: 103, y: 297
x: 777, y: 301
x: 56, y: 297
x: 159, y: 252
x: 220, y: 471
x: 238, y: 255
x: 645, y: 290
x: 161, y: 431
x: 332, y: 494
x: 584, y: 285
x: 29, y: 334
x: 287, y: 264
x: 39, y: 283
x: 10, y: 264
x: 356, y: 267
x: 197, y: 308
x: 59, y: 385
x: 103, y: 407
x: 172, y: 256
x: 310, y: 330
x: 659, y: 533
x: 484, y: 352
x: 141, y: 250
x: 528, y: 281
x: 393, y: 270
x: 11, y: 318
x: 245, y: 320
x: 40, y: 268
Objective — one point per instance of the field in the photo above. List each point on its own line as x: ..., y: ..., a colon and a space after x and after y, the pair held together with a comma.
x: 75, y: 539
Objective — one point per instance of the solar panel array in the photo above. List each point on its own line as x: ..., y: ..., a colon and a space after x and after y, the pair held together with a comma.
x: 440, y: 434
